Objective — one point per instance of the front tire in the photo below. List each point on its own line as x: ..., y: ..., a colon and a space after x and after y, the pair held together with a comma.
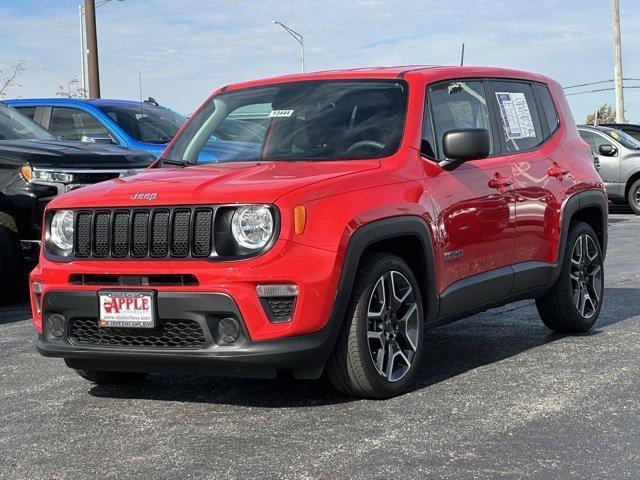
x: 101, y: 377
x: 633, y: 197
x: 380, y: 345
x: 574, y: 302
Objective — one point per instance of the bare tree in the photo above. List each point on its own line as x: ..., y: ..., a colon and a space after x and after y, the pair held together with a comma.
x: 72, y: 90
x: 11, y: 79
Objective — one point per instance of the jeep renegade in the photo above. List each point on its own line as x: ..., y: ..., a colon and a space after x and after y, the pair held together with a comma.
x: 348, y: 213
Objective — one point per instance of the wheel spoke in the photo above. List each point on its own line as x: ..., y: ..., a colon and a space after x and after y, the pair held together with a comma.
x: 378, y: 301
x: 403, y: 327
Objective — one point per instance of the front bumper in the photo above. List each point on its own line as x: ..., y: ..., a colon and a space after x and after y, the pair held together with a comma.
x: 305, y: 355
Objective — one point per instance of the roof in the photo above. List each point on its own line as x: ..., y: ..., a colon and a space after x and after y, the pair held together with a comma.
x: 75, y: 101
x: 426, y: 71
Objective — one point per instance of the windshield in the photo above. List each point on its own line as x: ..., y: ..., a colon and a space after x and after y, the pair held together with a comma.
x: 15, y: 126
x: 146, y: 123
x: 624, y: 138
x: 312, y: 120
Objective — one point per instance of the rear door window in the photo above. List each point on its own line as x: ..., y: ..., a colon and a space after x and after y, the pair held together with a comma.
x: 72, y: 124
x: 518, y: 114
x: 457, y: 105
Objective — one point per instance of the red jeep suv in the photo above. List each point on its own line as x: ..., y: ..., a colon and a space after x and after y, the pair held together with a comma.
x: 323, y: 223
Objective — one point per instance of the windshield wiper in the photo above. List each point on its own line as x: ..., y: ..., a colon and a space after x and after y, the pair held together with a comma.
x: 169, y: 161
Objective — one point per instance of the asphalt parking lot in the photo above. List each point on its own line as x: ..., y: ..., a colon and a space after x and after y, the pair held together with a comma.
x: 498, y: 396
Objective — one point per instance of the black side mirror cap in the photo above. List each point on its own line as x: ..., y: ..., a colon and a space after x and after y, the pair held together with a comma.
x: 607, y: 150
x: 465, y: 144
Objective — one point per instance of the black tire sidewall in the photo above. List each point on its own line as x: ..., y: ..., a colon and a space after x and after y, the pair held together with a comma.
x: 571, y: 310
x: 381, y: 385
x: 631, y: 197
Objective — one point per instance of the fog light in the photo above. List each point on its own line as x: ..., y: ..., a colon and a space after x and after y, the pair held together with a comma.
x: 55, y: 325
x: 229, y: 330
x: 278, y: 301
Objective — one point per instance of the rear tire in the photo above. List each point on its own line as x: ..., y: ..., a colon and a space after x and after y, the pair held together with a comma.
x: 379, y: 348
x: 574, y: 302
x: 101, y: 377
x: 633, y: 197
x: 12, y: 275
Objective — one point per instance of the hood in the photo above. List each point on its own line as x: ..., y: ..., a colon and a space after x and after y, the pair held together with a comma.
x: 233, y: 182
x: 58, y: 153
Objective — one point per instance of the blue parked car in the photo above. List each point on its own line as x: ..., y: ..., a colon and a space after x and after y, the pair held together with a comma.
x: 144, y: 126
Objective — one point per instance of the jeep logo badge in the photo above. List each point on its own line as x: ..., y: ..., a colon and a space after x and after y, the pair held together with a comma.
x: 144, y: 196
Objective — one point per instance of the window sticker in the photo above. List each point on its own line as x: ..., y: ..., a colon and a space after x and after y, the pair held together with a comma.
x: 516, y: 115
x: 280, y: 113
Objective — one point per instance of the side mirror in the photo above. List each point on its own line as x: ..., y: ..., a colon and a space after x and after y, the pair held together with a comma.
x: 607, y: 150
x: 465, y: 144
x: 100, y: 140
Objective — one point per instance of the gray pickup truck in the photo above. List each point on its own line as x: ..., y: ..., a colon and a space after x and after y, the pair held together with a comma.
x: 617, y: 157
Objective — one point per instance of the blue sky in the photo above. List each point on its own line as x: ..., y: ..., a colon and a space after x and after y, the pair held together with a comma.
x: 186, y: 48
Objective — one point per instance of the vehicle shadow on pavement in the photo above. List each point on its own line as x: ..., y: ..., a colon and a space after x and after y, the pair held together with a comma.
x: 450, y: 350
x: 14, y: 313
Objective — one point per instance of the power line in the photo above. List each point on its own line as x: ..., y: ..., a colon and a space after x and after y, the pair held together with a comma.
x: 601, y: 90
x: 597, y: 83
x: 141, y: 18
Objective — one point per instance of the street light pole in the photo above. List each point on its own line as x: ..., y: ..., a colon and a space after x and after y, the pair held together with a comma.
x: 92, y: 46
x: 617, y: 58
x: 298, y: 37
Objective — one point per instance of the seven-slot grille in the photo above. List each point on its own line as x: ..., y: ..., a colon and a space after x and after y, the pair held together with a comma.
x: 144, y: 233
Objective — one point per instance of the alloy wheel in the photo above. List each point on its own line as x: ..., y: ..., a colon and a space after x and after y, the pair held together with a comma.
x: 392, y: 325
x: 636, y: 196
x: 586, y: 276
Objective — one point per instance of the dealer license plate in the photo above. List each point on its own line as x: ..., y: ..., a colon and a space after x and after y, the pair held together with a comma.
x: 126, y: 310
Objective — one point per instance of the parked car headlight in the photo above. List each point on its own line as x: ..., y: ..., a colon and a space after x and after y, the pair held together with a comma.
x: 252, y: 226
x: 35, y: 176
x: 61, y: 232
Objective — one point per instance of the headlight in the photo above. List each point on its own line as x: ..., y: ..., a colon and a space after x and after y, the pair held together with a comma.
x: 252, y: 226
x: 35, y: 176
x: 61, y: 233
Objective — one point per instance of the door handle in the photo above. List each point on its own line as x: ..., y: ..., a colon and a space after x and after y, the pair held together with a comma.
x: 558, y: 171
x: 500, y: 182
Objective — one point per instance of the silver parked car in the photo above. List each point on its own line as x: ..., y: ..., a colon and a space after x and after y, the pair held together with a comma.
x: 618, y: 156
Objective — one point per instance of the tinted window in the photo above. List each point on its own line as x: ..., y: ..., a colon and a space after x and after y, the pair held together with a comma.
x: 458, y: 105
x: 311, y: 120
x: 621, y: 137
x: 15, y: 126
x: 594, y: 140
x: 428, y: 146
x: 521, y: 127
x: 29, y: 112
x: 146, y: 123
x: 549, y: 108
x: 72, y: 124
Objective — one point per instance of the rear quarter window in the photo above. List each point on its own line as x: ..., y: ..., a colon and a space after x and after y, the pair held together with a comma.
x: 548, y: 107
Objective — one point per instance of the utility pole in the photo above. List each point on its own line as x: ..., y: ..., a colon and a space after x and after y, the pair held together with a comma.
x: 462, y: 55
x: 92, y: 46
x: 617, y: 58
x: 83, y: 50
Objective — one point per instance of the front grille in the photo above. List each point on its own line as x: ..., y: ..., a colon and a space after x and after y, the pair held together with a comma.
x: 168, y: 334
x: 179, y: 232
